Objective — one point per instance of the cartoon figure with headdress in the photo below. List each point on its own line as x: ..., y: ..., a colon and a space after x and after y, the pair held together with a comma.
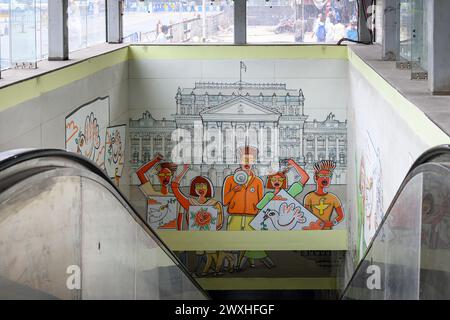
x: 161, y: 205
x: 321, y: 202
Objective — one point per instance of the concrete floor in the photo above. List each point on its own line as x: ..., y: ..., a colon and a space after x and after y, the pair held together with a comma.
x: 436, y: 108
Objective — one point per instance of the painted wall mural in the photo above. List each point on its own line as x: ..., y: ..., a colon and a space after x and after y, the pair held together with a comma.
x: 239, y: 156
x: 227, y: 124
x: 88, y: 133
x: 369, y: 194
x: 115, y: 152
x: 86, y: 130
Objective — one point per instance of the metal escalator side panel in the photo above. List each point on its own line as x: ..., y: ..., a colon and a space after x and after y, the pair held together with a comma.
x: 75, y: 229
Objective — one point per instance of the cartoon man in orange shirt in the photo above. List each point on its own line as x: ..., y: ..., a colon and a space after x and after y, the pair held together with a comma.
x: 241, y: 194
x: 321, y: 202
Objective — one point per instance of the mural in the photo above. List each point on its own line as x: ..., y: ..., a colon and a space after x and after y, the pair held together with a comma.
x: 115, y: 152
x: 321, y: 202
x: 86, y: 130
x: 162, y: 206
x: 282, y: 213
x: 278, y: 209
x: 370, y: 194
x: 238, y: 114
x: 238, y: 156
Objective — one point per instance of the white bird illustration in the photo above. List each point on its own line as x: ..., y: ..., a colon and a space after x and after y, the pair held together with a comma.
x: 286, y: 218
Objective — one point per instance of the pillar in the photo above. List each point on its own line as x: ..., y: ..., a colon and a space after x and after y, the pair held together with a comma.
x: 438, y: 46
x: 114, y: 20
x: 391, y: 30
x: 58, y: 32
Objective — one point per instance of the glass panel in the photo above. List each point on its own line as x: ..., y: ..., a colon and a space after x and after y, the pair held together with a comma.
x: 42, y: 28
x: 77, y: 22
x: 419, y: 48
x: 23, y: 33
x: 390, y: 269
x: 36, y: 254
x: 196, y: 21
x: 96, y: 22
x: 285, y: 21
x: 405, y: 31
x: 435, y: 257
x: 66, y: 237
x: 5, y: 25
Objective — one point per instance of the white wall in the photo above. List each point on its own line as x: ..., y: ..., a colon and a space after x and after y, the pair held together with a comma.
x: 389, y: 145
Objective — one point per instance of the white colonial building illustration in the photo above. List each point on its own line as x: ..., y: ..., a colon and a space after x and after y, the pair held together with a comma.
x: 252, y: 111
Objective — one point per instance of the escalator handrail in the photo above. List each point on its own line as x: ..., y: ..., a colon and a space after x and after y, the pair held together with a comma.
x: 424, y: 158
x: 23, y: 155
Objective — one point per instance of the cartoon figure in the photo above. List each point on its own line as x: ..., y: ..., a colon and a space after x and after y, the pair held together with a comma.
x: 278, y: 209
x: 115, y: 154
x: 88, y: 140
x: 159, y: 201
x: 201, y: 194
x: 241, y: 194
x: 321, y: 202
x: 278, y: 182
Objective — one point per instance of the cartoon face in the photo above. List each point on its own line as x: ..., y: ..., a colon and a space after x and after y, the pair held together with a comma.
x: 201, y: 189
x: 116, y: 147
x: 164, y: 176
x: 323, y: 178
x: 277, y: 181
x: 247, y: 161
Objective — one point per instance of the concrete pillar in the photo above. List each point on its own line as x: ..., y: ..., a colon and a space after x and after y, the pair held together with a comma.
x: 439, y: 46
x: 240, y: 22
x: 58, y: 32
x: 114, y: 20
x: 391, y: 30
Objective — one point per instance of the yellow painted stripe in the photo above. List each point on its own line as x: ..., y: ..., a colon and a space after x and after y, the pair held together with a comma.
x: 237, y: 52
x: 267, y: 283
x: 32, y: 88
x: 256, y: 240
x: 425, y: 129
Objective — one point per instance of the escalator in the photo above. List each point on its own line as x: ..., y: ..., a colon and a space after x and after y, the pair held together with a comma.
x: 409, y: 256
x: 66, y: 232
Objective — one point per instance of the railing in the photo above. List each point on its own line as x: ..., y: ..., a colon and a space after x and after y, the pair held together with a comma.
x: 181, y: 32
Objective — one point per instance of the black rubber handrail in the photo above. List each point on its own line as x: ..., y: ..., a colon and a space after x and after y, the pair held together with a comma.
x: 33, y: 154
x: 426, y: 157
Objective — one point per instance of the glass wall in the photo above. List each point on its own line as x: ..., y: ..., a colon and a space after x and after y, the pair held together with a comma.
x: 23, y: 32
x: 4, y: 34
x: 197, y: 21
x: 413, y: 37
x: 405, y: 29
x: 301, y: 21
x: 419, y: 45
x: 87, y: 23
